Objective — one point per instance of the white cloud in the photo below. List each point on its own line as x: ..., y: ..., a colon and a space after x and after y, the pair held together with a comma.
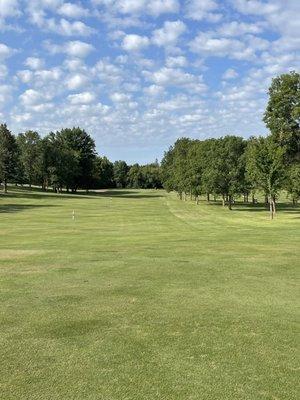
x: 178, y: 61
x: 76, y: 81
x: 169, y: 34
x: 39, y: 15
x: 154, y: 90
x: 5, y: 51
x: 120, y: 97
x: 108, y: 73
x: 73, y: 48
x: 255, y: 6
x: 72, y: 10
x: 235, y: 28
x: 3, y: 71
x: 82, y: 98
x: 202, y: 10
x: 9, y: 8
x: 5, y: 94
x: 21, y: 118
x: 32, y: 97
x: 67, y: 28
x: 134, y: 42
x: 151, y: 7
x: 157, y: 7
x: 211, y: 44
x: 47, y: 75
x: 178, y: 78
x: 25, y: 76
x: 34, y: 63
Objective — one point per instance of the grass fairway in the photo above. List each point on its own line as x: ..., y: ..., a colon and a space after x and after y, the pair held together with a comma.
x: 145, y: 297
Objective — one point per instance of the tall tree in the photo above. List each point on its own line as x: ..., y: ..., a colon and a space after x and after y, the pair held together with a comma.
x: 29, y: 146
x: 135, y: 177
x: 265, y: 164
x: 103, y: 172
x: 151, y: 176
x: 282, y: 115
x: 82, y: 144
x: 167, y: 172
x: 8, y: 155
x: 120, y: 173
x: 230, y: 167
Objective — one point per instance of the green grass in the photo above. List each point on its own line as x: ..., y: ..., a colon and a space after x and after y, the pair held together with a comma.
x: 146, y: 297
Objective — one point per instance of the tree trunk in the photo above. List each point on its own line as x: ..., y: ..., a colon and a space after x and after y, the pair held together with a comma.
x: 5, y: 185
x: 274, y: 205
x: 215, y: 198
x: 230, y: 202
x: 271, y: 210
x: 223, y: 200
x: 197, y: 200
x: 207, y: 196
x: 253, y: 199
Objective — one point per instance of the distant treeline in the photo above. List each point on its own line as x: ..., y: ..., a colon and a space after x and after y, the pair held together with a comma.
x: 227, y: 167
x: 67, y: 160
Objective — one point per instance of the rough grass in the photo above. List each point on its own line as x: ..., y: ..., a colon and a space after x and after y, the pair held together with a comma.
x: 146, y: 297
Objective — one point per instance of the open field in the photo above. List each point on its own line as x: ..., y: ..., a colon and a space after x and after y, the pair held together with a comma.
x: 145, y: 297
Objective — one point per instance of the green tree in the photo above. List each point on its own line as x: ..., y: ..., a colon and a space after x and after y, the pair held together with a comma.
x: 103, y: 172
x: 229, y: 167
x: 29, y: 147
x: 151, y: 176
x: 167, y: 170
x: 293, y: 182
x: 8, y: 155
x: 265, y: 164
x: 82, y: 144
x: 282, y: 115
x: 120, y: 173
x: 135, y: 177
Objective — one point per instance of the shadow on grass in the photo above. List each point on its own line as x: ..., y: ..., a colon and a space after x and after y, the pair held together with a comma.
x: 39, y: 194
x: 13, y: 208
x: 287, y: 208
x: 130, y: 194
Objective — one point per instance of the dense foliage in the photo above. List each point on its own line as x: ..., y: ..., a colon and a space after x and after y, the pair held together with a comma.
x: 67, y: 160
x: 231, y: 166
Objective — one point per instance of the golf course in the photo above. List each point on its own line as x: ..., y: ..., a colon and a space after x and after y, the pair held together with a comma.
x: 133, y: 294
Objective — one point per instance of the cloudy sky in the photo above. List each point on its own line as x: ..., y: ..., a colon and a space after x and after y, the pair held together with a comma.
x: 137, y: 74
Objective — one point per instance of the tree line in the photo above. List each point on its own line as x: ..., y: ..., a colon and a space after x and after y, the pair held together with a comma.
x: 67, y: 160
x: 231, y: 166
x: 227, y: 167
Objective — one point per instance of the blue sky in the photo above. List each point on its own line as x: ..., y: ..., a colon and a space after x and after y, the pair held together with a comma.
x: 138, y: 74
